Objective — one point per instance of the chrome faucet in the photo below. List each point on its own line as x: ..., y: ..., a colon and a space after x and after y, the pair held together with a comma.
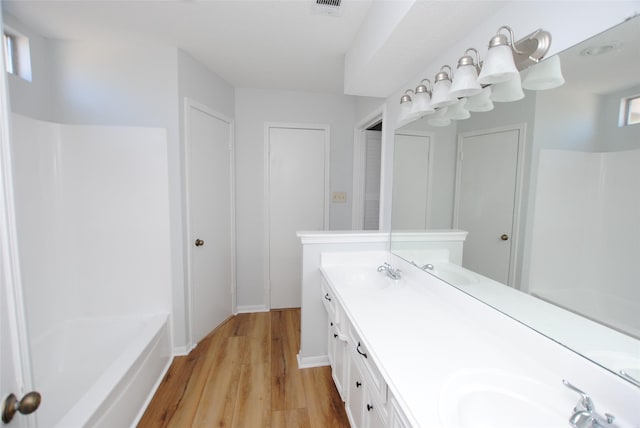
x: 391, y: 272
x: 427, y: 266
x: 584, y: 414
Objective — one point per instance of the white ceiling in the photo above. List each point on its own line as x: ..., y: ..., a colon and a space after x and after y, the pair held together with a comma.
x: 276, y: 44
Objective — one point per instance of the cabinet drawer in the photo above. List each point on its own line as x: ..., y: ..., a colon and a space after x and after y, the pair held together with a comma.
x: 378, y: 386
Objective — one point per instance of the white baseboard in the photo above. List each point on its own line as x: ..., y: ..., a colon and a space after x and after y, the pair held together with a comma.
x: 181, y: 351
x: 308, y: 362
x: 252, y: 308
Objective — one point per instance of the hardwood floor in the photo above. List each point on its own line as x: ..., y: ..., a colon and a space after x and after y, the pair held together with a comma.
x: 245, y: 374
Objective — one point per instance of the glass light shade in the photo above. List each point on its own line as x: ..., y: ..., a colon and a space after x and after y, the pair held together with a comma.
x: 405, y: 111
x: 480, y: 102
x: 421, y: 104
x: 498, y: 66
x: 546, y: 74
x: 507, y: 91
x: 465, y: 82
x: 442, y: 94
x: 458, y: 111
x: 439, y: 118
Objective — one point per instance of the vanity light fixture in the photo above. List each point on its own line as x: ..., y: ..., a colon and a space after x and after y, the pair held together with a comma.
x: 406, y: 105
x: 422, y: 99
x: 544, y: 75
x: 465, y: 83
x: 442, y: 89
x: 499, y: 64
x: 477, y: 85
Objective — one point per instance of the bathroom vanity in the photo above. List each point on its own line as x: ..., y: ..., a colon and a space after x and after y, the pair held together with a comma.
x: 416, y: 352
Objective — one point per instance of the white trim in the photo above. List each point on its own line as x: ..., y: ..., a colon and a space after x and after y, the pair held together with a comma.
x: 517, y: 202
x: 267, y: 186
x: 188, y: 105
x: 430, y: 156
x: 359, y: 139
x: 10, y: 278
x: 181, y: 351
x: 317, y: 237
x: 250, y: 309
x: 309, y: 362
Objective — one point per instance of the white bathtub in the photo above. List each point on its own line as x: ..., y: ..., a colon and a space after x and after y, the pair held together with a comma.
x: 99, y: 372
x: 619, y: 314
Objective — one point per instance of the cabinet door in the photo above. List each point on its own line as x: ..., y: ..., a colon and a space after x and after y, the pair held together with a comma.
x: 374, y: 415
x: 355, y: 400
x: 339, y: 366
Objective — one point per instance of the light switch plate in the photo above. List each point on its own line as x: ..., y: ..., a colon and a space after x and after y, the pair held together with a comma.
x: 339, y: 197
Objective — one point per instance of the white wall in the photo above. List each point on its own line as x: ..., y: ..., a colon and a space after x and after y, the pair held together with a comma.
x: 254, y: 107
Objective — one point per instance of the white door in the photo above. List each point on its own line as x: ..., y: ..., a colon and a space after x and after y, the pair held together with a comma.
x: 411, y: 182
x: 487, y: 196
x: 297, y: 192
x: 15, y: 372
x: 209, y: 143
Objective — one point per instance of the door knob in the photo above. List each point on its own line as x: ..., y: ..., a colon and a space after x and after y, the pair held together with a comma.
x: 29, y: 404
x: 504, y: 237
x: 199, y: 242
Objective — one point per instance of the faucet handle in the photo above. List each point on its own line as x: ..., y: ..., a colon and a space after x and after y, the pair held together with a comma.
x: 585, y: 400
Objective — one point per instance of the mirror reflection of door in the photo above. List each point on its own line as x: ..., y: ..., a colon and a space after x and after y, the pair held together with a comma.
x: 487, y: 199
x: 411, y: 181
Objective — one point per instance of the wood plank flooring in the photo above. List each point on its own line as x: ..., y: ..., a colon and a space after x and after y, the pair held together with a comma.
x: 245, y: 374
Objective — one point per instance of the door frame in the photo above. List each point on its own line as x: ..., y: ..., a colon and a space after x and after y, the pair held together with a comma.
x: 431, y: 136
x: 189, y: 104
x: 267, y: 186
x: 514, y: 265
x: 359, y: 160
x: 10, y: 277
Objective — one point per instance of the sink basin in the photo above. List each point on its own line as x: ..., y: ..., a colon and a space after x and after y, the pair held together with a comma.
x: 486, y: 398
x: 364, y: 277
x: 454, y: 274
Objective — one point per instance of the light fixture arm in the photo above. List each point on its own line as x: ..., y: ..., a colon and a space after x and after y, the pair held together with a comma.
x: 500, y: 39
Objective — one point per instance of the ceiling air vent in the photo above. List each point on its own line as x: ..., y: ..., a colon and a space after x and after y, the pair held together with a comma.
x: 327, y: 7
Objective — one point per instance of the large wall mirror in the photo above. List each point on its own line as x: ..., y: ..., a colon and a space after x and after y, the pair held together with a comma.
x: 548, y: 189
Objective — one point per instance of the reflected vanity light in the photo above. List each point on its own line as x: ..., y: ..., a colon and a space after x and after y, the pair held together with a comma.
x: 546, y: 74
x: 439, y: 118
x: 458, y: 111
x: 508, y: 91
x: 481, y: 102
x: 480, y: 83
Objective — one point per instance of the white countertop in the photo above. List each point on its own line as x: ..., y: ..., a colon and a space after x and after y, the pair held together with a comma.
x: 421, y: 333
